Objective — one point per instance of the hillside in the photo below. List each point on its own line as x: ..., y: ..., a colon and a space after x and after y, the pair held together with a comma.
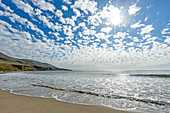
x: 8, y: 64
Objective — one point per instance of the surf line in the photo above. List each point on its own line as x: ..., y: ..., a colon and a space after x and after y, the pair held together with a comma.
x: 162, y: 103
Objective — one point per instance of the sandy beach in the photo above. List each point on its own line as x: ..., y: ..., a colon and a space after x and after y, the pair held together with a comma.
x: 11, y: 103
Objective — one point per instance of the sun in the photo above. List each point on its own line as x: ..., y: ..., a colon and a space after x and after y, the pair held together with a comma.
x: 115, y: 17
x: 111, y: 15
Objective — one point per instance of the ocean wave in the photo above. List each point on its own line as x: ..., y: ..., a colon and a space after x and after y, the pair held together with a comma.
x: 161, y: 103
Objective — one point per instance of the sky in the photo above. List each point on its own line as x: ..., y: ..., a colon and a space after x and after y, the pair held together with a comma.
x: 87, y: 34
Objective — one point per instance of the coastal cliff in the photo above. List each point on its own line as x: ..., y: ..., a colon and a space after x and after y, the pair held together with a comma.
x: 9, y: 64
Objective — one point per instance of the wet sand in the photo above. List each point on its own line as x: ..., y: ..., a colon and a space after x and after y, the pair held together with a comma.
x: 11, y: 103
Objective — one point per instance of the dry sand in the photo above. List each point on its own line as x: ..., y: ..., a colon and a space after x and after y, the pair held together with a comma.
x: 11, y: 103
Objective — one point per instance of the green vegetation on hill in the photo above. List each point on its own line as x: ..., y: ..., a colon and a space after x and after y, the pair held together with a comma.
x: 8, y: 67
x: 8, y: 64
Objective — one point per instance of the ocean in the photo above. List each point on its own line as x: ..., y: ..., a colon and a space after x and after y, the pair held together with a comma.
x: 127, y: 90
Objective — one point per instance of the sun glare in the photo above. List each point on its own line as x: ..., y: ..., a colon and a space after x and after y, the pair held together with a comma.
x: 112, y: 14
x: 115, y: 17
x: 115, y: 20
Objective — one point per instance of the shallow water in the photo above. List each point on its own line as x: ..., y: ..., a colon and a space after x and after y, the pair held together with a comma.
x: 112, y: 89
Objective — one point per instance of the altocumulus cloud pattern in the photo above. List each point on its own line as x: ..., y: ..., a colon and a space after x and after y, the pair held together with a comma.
x: 87, y: 33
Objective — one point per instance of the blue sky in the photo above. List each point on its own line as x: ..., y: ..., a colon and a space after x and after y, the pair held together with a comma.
x: 87, y: 34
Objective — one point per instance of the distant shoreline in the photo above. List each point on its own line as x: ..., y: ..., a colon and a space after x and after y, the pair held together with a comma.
x: 3, y: 72
x: 151, y: 75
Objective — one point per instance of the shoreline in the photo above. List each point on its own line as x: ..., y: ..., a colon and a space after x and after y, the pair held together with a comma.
x: 12, y: 103
x: 3, y: 72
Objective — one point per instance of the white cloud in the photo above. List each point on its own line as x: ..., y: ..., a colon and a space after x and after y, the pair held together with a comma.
x: 133, y: 9
x: 147, y: 29
x: 62, y: 20
x: 121, y: 35
x: 70, y: 21
x: 64, y: 8
x: 80, y: 34
x: 104, y: 45
x: 152, y: 39
x: 7, y: 8
x: 77, y: 12
x: 94, y: 20
x: 57, y: 27
x: 4, y: 32
x: 166, y: 31
x: 68, y: 30
x: 20, y: 35
x: 102, y: 36
x: 147, y: 36
x: 38, y: 11
x: 59, y: 13
x: 106, y: 29
x: 148, y: 7
x: 14, y: 17
x: 89, y: 32
x: 67, y: 42
x: 67, y: 1
x: 23, y: 6
x: 130, y: 44
x: 83, y: 25
x: 46, y: 21
x: 74, y: 18
x: 75, y: 28
x: 8, y: 25
x: 44, y: 5
x: 85, y: 38
x: 35, y: 28
x: 1, y: 13
x: 86, y: 5
x: 135, y: 39
x: 146, y: 19
x: 56, y: 34
x: 136, y: 25
x: 167, y: 39
x: 43, y: 18
x: 93, y: 27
